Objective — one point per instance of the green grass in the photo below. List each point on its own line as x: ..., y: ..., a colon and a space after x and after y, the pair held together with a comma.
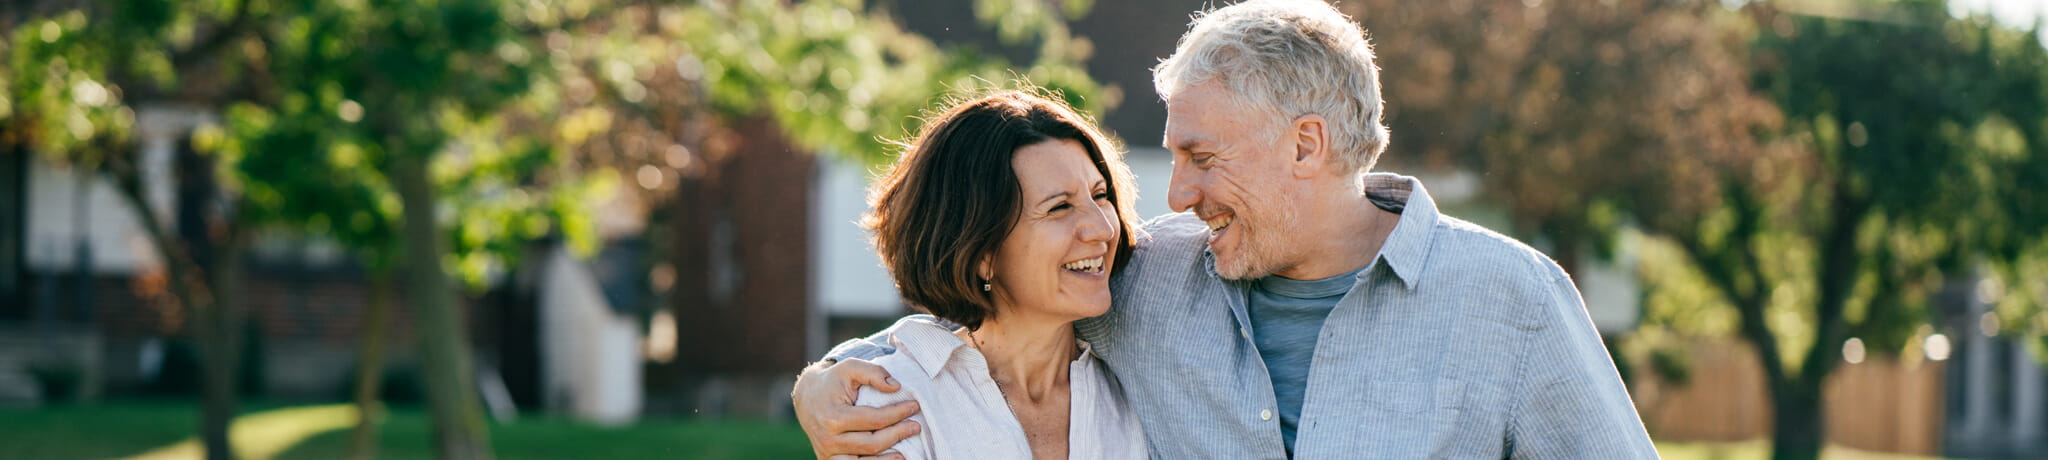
x: 130, y: 428
x: 95, y: 431
x: 1760, y: 449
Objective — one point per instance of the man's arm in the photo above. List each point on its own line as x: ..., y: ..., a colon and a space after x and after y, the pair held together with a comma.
x: 875, y: 345
x: 824, y: 394
x: 1572, y: 403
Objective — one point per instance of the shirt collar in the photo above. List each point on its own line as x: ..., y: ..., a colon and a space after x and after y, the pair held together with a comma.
x: 926, y: 341
x: 931, y: 343
x: 1407, y: 248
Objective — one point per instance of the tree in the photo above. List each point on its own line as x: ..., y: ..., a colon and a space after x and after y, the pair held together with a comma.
x: 1913, y: 138
x: 90, y: 63
x: 1821, y: 174
x: 75, y: 72
x: 362, y: 121
x: 1541, y: 94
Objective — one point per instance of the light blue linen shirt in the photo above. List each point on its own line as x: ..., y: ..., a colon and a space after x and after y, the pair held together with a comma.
x: 1455, y: 342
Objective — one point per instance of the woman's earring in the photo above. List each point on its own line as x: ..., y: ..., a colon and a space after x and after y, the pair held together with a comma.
x: 985, y: 287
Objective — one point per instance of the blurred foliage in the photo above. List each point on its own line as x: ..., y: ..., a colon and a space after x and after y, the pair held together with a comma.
x: 843, y: 80
x: 1805, y: 175
x: 548, y: 95
x: 1538, y: 96
x: 513, y: 118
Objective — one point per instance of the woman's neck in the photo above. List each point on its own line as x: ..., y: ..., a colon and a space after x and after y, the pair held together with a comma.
x: 1028, y: 357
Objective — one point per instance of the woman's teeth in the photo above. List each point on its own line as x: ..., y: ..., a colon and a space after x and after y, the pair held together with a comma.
x: 1089, y: 265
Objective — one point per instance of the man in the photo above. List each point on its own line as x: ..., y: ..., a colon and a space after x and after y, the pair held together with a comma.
x: 1305, y: 307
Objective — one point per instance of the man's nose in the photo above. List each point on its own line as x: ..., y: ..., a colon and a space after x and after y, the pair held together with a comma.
x: 1181, y: 193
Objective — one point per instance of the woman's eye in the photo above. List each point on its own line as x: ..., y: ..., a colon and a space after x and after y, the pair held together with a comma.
x: 1059, y: 207
x: 1101, y: 196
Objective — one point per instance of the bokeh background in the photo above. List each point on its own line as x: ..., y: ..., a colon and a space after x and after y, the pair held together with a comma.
x: 616, y: 228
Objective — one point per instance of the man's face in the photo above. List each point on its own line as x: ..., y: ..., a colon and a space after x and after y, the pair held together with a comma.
x: 1230, y: 167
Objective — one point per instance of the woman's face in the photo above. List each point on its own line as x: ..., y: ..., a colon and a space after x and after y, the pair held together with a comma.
x: 1056, y: 261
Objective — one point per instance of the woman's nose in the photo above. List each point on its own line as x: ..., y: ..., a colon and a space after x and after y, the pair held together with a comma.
x: 1102, y: 227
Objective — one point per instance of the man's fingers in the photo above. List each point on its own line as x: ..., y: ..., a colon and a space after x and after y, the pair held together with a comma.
x: 898, y: 432
x: 892, y: 455
x: 860, y: 372
x: 876, y: 441
x: 897, y: 412
x: 862, y: 418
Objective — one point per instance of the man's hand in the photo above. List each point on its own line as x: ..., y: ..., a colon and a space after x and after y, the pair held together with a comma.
x: 823, y: 398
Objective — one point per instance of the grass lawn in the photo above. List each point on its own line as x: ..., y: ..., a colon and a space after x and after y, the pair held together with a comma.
x: 164, y: 430
x: 153, y: 429
x: 1761, y: 450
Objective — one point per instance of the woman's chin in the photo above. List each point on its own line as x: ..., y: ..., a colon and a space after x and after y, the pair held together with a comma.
x: 1094, y: 306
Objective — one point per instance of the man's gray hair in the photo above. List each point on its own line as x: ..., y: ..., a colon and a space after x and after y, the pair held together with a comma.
x: 1287, y: 58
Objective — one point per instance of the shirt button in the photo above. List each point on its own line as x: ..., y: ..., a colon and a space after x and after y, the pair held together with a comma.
x: 1265, y: 414
x: 1247, y: 333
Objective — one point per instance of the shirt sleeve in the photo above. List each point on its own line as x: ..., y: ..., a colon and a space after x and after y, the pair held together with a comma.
x: 1572, y: 403
x: 874, y: 345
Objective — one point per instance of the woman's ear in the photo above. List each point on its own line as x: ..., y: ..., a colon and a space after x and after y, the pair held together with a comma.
x: 986, y: 269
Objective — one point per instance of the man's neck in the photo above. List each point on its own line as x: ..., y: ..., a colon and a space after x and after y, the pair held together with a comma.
x: 1345, y: 234
x: 1027, y: 354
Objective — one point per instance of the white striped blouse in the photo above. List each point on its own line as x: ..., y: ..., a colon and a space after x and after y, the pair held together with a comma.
x: 963, y: 415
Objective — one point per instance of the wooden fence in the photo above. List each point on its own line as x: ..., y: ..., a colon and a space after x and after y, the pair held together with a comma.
x: 1881, y: 404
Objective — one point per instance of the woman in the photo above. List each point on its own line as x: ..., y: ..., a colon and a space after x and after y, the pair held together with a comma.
x: 1005, y: 219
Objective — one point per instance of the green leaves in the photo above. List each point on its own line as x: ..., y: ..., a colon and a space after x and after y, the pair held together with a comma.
x: 843, y: 80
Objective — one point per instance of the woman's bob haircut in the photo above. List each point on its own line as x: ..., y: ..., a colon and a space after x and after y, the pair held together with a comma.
x: 952, y: 197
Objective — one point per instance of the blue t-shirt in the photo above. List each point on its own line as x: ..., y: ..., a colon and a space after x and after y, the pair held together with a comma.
x: 1287, y: 317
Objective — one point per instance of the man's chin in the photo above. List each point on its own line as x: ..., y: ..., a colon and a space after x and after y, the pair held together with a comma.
x: 1233, y: 269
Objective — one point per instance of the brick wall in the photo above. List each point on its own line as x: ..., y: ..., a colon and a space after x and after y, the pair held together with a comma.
x: 740, y: 232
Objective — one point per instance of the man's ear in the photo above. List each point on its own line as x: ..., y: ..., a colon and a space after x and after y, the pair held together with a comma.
x: 1311, y: 135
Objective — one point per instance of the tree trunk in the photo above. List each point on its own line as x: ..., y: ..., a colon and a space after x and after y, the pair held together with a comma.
x: 370, y: 368
x: 459, y: 429
x: 222, y: 329
x: 211, y: 257
x: 1800, y: 418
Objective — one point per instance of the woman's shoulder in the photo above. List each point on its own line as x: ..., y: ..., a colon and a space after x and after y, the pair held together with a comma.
x: 909, y: 376
x: 924, y: 347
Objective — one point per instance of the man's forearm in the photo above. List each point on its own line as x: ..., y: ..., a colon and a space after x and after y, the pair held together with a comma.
x: 874, y: 345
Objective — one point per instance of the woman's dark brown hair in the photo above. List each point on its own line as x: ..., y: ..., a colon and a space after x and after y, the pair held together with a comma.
x: 952, y: 197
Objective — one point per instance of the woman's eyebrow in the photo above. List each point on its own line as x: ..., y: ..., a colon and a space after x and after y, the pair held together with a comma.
x: 1055, y: 196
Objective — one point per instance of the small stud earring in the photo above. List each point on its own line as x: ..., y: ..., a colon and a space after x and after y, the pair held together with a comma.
x: 985, y: 287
